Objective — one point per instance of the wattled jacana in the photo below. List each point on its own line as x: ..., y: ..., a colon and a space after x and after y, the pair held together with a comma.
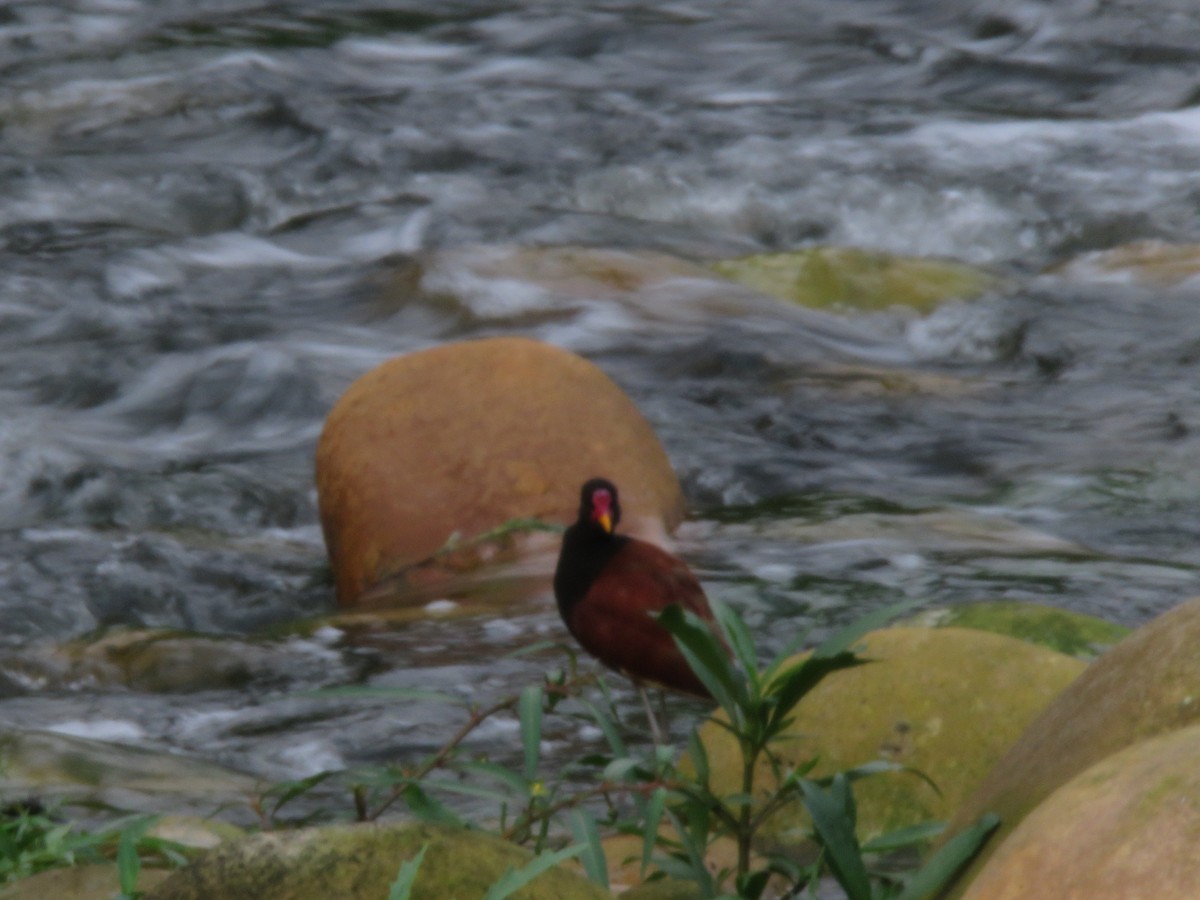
x: 608, y: 586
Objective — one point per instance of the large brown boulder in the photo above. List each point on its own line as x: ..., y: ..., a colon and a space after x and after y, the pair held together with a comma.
x: 1124, y: 828
x: 1146, y: 685
x: 465, y: 437
x: 947, y: 702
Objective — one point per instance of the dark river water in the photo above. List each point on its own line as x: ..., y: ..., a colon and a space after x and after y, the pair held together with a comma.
x: 202, y: 205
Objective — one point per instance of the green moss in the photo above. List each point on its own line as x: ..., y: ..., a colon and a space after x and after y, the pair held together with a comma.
x: 361, y: 861
x: 1074, y: 634
x: 848, y: 278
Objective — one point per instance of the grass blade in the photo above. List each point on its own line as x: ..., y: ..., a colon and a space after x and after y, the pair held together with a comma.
x: 429, y: 809
x: 843, y: 641
x: 530, y: 710
x: 405, y: 878
x: 740, y: 640
x: 583, y: 827
x: 943, y: 865
x: 707, y: 658
x: 515, y: 879
x: 833, y: 818
x: 653, y: 819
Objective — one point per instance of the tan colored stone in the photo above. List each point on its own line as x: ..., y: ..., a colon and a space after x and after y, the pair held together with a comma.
x: 947, y: 702
x: 1146, y: 685
x: 1156, y: 263
x: 1126, y: 827
x: 465, y: 437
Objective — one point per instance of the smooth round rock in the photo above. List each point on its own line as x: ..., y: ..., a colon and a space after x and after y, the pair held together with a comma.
x: 465, y: 437
x: 1124, y: 828
x: 947, y: 702
x: 1146, y: 685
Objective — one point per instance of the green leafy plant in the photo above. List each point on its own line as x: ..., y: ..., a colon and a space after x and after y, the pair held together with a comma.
x: 758, y: 706
x: 33, y: 839
x: 644, y: 791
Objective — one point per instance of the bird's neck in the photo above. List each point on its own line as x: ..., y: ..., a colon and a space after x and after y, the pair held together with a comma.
x: 586, y: 550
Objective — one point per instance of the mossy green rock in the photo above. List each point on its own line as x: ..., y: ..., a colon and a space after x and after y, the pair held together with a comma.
x: 1146, y: 685
x: 845, y: 277
x: 1126, y: 827
x: 360, y: 862
x: 947, y: 702
x: 97, y: 881
x: 1072, y: 633
x: 664, y: 889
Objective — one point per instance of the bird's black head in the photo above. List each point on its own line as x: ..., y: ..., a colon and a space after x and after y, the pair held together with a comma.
x: 598, y: 505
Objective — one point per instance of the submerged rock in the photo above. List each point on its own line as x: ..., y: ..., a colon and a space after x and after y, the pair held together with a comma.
x: 947, y: 702
x: 1156, y: 263
x: 466, y: 437
x: 854, y: 279
x: 1146, y: 685
x: 360, y: 862
x: 1126, y: 827
x: 156, y: 660
x: 99, y: 773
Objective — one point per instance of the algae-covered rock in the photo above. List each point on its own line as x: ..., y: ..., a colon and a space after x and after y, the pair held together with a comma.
x: 1146, y: 685
x: 95, y: 881
x: 1072, y: 633
x: 947, y: 702
x: 360, y: 862
x: 848, y: 278
x: 1126, y: 827
x: 463, y: 438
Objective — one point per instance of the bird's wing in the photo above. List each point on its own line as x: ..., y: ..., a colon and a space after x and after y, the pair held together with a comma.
x: 615, y: 621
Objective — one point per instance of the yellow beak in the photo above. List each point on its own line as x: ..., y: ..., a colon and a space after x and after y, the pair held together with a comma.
x: 605, y: 521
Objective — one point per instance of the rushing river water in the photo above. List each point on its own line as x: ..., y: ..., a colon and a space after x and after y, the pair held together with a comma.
x: 202, y: 205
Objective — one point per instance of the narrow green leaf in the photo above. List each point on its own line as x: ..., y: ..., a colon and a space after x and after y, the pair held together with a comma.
x: 622, y: 769
x: 513, y: 780
x: 129, y: 863
x: 791, y: 687
x: 833, y: 817
x: 583, y: 827
x: 784, y: 655
x: 740, y: 640
x: 844, y: 640
x: 707, y: 659
x: 286, y: 791
x: 904, y: 838
x: 690, y: 863
x: 751, y: 885
x: 652, y: 818
x: 466, y: 789
x: 530, y: 709
x: 698, y: 755
x: 405, y: 878
x: 606, y: 724
x: 515, y: 879
x: 952, y: 856
x: 429, y: 809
